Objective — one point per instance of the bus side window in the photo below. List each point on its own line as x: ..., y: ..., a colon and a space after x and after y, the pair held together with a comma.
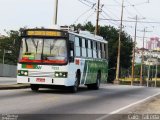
x: 94, y: 50
x: 89, y: 48
x: 77, y: 46
x: 105, y: 55
x: 106, y: 50
x: 103, y: 51
x: 83, y: 47
x: 86, y: 45
x: 99, y: 50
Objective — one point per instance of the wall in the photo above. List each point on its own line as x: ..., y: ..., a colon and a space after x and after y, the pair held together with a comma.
x: 8, y: 70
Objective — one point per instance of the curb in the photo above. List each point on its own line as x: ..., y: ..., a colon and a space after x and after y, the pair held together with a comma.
x: 14, y: 86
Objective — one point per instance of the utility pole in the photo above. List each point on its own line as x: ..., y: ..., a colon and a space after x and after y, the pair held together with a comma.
x: 149, y: 66
x: 156, y: 73
x: 134, y: 46
x: 4, y: 51
x: 133, y: 55
x: 55, y: 12
x: 142, y: 60
x: 97, y: 20
x: 119, y: 46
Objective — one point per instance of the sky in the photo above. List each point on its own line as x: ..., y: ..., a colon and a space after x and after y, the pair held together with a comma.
x: 15, y: 14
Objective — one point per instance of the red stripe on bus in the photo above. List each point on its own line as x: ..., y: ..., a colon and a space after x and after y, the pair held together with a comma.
x: 44, y: 61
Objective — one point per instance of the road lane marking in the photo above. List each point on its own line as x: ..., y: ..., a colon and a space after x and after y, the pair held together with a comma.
x: 128, y: 106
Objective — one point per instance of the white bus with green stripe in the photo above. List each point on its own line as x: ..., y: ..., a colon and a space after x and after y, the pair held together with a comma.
x: 56, y: 58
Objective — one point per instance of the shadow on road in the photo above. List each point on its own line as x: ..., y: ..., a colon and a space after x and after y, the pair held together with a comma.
x: 62, y: 91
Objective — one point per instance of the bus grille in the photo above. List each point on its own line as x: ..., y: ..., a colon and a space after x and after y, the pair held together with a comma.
x: 40, y: 74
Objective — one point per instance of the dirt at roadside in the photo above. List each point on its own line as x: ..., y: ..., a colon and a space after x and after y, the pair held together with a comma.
x: 149, y: 110
x: 150, y: 107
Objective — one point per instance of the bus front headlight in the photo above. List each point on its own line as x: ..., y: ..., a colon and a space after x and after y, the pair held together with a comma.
x: 22, y: 72
x: 61, y: 74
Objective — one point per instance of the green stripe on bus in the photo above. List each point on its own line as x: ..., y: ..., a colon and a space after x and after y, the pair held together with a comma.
x: 91, y: 69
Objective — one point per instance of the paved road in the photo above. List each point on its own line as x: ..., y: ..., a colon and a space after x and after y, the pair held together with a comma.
x: 7, y: 80
x: 47, y: 101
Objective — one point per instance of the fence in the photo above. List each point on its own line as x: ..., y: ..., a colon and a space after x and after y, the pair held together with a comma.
x: 8, y: 70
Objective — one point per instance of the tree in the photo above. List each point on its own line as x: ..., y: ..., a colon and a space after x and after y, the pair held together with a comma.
x: 10, y: 43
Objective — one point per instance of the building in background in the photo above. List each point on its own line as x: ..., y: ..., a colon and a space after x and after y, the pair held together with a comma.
x: 153, y: 44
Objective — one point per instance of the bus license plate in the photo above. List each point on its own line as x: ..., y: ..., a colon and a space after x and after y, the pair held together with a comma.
x: 40, y: 79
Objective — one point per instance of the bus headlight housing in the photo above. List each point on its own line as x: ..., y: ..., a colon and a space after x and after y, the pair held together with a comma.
x: 61, y: 74
x: 22, y: 72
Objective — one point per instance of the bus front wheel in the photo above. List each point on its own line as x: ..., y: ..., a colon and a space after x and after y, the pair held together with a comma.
x: 34, y: 87
x: 74, y: 88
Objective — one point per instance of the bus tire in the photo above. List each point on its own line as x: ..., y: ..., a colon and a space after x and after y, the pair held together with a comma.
x: 34, y: 87
x: 96, y: 85
x: 78, y: 76
x: 74, y: 88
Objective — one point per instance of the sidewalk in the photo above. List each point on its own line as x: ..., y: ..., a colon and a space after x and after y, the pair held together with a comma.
x: 11, y: 83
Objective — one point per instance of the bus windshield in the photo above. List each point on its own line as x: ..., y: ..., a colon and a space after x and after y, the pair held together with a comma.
x: 38, y: 50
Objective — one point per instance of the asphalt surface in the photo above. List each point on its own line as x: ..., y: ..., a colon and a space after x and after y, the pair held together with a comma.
x: 7, y: 83
x: 8, y: 80
x: 60, y: 104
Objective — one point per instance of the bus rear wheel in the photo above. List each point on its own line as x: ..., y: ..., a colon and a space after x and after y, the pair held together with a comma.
x: 96, y: 85
x: 34, y: 87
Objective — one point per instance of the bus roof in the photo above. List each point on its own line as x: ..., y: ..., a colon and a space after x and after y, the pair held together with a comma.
x: 58, y: 32
x: 88, y: 35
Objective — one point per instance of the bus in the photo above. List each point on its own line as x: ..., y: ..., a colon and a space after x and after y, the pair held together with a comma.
x: 58, y: 58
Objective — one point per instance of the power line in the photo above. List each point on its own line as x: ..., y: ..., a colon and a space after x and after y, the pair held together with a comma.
x: 112, y: 5
x: 85, y: 21
x: 152, y: 22
x: 84, y: 13
x: 89, y: 1
x: 109, y: 17
x: 110, y: 12
x: 84, y: 3
x: 138, y: 4
x: 135, y: 8
x: 111, y: 21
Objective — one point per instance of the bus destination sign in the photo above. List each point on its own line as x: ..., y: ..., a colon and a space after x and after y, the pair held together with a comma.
x: 44, y: 33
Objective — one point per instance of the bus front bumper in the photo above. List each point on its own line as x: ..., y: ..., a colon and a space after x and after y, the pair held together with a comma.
x: 45, y: 81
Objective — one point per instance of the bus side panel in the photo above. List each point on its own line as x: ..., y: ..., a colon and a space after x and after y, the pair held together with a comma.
x: 89, y: 73
x: 104, y: 71
x: 72, y: 69
x: 92, y: 69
